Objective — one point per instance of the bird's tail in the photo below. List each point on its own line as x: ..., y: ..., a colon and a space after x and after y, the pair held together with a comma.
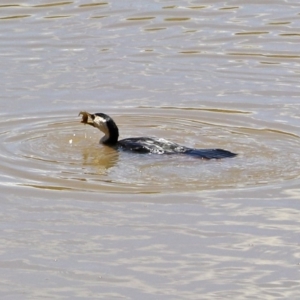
x: 210, y: 153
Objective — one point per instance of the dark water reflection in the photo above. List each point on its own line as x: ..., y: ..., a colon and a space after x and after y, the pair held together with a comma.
x: 79, y: 220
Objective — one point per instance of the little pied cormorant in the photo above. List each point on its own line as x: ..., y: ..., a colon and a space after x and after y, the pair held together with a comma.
x: 144, y: 144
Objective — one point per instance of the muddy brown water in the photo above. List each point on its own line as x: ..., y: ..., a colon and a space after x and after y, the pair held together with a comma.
x: 83, y: 221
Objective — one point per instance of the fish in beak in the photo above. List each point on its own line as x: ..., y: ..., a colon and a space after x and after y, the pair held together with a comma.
x: 85, y: 118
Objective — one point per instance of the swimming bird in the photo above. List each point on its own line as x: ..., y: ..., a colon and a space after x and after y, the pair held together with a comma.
x: 145, y: 144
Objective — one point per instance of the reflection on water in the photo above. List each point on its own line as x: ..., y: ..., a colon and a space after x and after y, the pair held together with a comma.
x: 103, y: 158
x: 96, y: 223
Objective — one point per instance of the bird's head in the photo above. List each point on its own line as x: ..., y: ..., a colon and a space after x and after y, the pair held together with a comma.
x: 104, y: 123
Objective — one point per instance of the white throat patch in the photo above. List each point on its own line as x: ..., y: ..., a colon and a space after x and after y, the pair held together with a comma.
x: 100, y: 123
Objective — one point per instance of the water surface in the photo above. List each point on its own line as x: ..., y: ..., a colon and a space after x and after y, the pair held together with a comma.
x: 82, y: 221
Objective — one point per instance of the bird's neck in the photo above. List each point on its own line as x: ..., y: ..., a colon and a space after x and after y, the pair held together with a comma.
x: 108, y: 140
x: 111, y: 137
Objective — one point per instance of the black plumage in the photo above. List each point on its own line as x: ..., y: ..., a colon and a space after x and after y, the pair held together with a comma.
x: 146, y: 144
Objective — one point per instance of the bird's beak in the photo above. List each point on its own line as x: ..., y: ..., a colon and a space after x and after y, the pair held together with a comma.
x: 85, y: 118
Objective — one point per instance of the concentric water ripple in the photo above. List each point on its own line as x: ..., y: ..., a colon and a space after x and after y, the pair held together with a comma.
x: 58, y: 152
